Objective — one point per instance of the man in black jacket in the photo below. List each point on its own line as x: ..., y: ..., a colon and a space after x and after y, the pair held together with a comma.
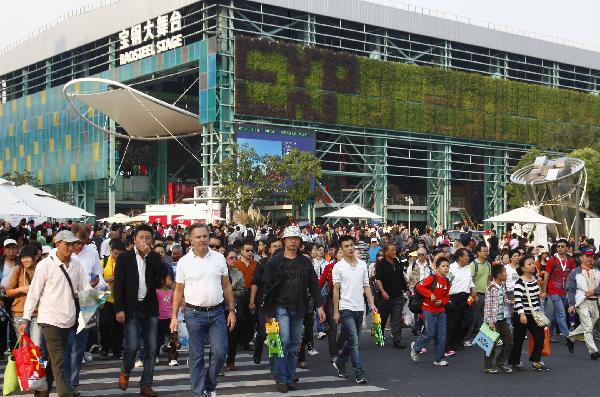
x: 137, y: 275
x: 286, y: 279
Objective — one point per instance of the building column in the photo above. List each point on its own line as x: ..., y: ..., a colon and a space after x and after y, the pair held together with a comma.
x: 380, y: 185
x: 438, y: 184
x: 495, y: 179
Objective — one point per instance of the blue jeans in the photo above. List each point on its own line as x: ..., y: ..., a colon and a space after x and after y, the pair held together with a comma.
x: 560, y: 317
x: 290, y: 332
x: 435, y: 324
x: 200, y: 325
x: 351, y: 326
x: 74, y: 355
x: 137, y: 327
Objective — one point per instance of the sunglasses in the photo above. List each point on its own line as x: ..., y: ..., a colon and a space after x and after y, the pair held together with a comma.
x: 561, y: 246
x: 231, y: 257
x: 248, y: 250
x: 213, y: 246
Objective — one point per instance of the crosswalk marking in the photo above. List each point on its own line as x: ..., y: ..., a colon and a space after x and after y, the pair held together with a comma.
x: 314, y: 392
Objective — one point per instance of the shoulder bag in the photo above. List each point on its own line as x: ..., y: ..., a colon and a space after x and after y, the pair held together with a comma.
x: 540, y: 318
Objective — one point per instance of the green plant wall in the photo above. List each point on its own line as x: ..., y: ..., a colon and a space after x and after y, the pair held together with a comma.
x: 281, y: 80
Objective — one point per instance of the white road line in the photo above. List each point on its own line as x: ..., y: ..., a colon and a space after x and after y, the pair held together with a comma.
x: 313, y: 392
x: 222, y: 385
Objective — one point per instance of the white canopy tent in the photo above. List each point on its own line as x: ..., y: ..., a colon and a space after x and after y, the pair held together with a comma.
x: 116, y: 218
x: 192, y: 217
x: 353, y: 212
x: 141, y: 218
x: 521, y: 215
x: 12, y: 206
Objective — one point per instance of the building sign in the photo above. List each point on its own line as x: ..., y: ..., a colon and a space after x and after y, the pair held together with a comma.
x: 160, y: 35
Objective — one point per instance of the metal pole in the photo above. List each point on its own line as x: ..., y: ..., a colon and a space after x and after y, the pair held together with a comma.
x: 576, y: 216
x: 111, y: 170
x: 409, y: 203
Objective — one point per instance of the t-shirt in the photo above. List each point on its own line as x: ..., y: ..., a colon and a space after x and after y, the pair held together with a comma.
x: 511, y: 278
x: 480, y: 272
x: 109, y: 273
x: 353, y: 280
x: 165, y: 303
x: 558, y: 271
x: 201, y: 277
x: 392, y: 277
x: 373, y: 253
x: 290, y: 294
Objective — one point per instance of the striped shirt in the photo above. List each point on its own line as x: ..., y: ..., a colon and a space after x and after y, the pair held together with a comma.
x: 521, y: 302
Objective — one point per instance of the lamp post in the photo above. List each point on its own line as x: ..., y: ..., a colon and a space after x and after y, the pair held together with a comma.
x: 409, y: 200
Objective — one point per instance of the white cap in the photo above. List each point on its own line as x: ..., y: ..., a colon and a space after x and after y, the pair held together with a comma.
x: 65, y: 235
x: 292, y: 231
x: 9, y: 241
x: 374, y: 240
x: 46, y: 249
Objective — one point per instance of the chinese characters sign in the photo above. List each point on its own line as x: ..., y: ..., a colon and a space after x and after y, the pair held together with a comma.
x: 160, y: 34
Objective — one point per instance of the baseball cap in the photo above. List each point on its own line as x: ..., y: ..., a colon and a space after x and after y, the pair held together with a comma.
x: 46, y: 249
x: 588, y: 251
x: 65, y: 235
x: 292, y: 231
x: 374, y: 239
x: 9, y: 241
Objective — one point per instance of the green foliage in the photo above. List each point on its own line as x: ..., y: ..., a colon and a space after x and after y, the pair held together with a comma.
x: 246, y: 179
x: 516, y: 192
x: 287, y: 81
x: 592, y: 165
x: 299, y: 169
x: 21, y: 178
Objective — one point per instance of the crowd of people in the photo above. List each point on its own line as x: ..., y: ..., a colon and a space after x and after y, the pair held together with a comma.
x: 225, y: 283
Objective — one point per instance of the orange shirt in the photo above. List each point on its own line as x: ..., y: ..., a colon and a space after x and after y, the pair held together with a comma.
x: 247, y: 271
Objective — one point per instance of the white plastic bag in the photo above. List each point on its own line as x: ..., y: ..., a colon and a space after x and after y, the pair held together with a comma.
x: 408, y: 318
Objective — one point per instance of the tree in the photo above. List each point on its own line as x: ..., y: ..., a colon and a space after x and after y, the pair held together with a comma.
x: 241, y: 178
x: 592, y: 165
x: 516, y: 192
x: 299, y: 170
x: 21, y: 178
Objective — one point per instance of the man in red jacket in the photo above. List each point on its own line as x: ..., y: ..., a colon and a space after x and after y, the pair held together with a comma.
x: 435, y: 290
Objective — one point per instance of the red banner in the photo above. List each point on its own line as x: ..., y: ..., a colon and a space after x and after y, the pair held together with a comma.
x: 177, y: 191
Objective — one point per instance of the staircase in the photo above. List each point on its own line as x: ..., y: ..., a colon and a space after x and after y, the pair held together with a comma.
x: 467, y: 218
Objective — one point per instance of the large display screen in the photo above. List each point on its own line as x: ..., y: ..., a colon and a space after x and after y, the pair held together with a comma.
x: 275, y: 141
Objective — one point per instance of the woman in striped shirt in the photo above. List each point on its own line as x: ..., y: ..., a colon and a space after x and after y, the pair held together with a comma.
x: 522, y: 318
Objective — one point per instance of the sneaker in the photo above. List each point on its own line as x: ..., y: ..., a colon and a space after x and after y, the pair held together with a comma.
x: 312, y: 352
x: 490, y: 371
x: 468, y: 343
x: 518, y: 367
x: 139, y: 364
x: 282, y: 388
x: 211, y: 393
x: 571, y: 346
x: 441, y: 363
x: 302, y: 364
x: 423, y: 351
x: 361, y: 380
x: 595, y: 356
x: 449, y: 353
x: 322, y: 335
x: 341, y: 370
x: 500, y: 343
x: 413, y: 354
x: 173, y: 363
x: 505, y: 368
x: 540, y: 367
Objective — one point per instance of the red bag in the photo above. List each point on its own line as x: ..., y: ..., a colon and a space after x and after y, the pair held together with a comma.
x: 546, y: 349
x: 30, y: 365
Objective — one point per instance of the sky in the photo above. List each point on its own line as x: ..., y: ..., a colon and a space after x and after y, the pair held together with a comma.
x: 575, y: 21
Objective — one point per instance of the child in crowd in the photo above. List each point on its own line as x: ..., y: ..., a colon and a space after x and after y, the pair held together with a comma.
x: 496, y: 314
x: 435, y: 290
x: 165, y: 308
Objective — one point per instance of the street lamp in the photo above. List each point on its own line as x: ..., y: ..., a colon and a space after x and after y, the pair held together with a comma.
x: 409, y: 200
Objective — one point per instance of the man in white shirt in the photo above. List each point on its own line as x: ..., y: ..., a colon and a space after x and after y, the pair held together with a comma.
x: 55, y: 284
x: 350, y: 281
x: 459, y: 314
x: 203, y: 278
x: 87, y: 255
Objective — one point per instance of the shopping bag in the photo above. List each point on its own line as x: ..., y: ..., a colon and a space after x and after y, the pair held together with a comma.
x: 546, y: 349
x: 30, y: 365
x: 408, y: 318
x: 11, y: 381
x: 89, y: 301
x: 183, y: 334
x: 486, y: 339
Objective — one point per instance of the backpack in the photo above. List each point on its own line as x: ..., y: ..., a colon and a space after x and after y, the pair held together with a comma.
x: 415, y: 302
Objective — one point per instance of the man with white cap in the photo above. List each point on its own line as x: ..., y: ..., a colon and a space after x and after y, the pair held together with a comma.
x: 53, y: 291
x: 288, y: 277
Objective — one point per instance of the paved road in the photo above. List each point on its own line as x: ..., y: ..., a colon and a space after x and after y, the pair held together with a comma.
x: 390, y: 372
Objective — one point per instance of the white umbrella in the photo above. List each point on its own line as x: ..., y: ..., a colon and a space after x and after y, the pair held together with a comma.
x: 12, y: 203
x: 141, y: 218
x: 353, y: 212
x: 45, y: 204
x: 116, y: 218
x: 521, y: 215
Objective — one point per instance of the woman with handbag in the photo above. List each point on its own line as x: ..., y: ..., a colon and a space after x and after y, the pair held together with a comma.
x: 527, y: 316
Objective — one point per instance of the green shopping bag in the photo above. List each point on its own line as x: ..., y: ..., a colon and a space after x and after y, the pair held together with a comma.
x: 11, y: 381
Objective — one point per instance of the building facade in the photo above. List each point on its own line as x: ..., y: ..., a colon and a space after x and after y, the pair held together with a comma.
x: 401, y: 105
